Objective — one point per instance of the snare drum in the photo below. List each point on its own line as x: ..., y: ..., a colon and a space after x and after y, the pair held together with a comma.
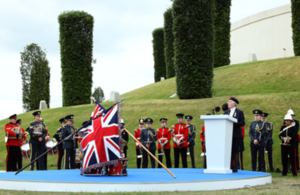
x: 120, y: 169
x: 25, y: 150
x: 49, y: 145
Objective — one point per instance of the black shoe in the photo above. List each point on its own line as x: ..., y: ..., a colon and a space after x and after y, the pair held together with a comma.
x: 278, y: 171
x: 282, y: 175
x: 258, y: 169
x: 295, y: 175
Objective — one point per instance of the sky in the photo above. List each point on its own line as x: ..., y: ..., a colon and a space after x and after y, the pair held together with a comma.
x: 122, y: 41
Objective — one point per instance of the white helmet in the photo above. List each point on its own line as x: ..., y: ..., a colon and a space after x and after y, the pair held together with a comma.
x: 291, y: 112
x: 288, y: 117
x: 122, y: 121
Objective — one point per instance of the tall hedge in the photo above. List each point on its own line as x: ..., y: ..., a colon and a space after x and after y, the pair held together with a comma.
x: 296, y: 26
x: 35, y: 73
x: 158, y: 54
x: 194, y: 47
x: 76, y: 51
x: 168, y: 43
x: 222, y: 33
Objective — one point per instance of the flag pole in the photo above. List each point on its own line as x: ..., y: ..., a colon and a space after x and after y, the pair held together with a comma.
x: 150, y: 153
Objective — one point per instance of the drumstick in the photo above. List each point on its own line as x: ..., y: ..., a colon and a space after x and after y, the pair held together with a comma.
x: 150, y: 153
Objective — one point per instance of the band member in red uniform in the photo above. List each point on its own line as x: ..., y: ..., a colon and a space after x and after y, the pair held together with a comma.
x: 180, y: 134
x: 21, y: 142
x: 288, y: 137
x: 163, y: 138
x: 12, y: 140
x: 137, y: 135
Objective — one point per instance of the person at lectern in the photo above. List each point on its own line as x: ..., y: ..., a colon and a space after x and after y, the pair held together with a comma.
x: 237, y: 139
x: 257, y: 133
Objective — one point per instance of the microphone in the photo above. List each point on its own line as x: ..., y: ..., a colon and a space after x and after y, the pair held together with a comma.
x: 217, y: 109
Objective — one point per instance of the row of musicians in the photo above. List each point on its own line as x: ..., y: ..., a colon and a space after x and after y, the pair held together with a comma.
x: 39, y: 136
x: 183, y: 136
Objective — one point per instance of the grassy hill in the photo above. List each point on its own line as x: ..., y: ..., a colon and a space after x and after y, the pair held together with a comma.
x: 271, y: 86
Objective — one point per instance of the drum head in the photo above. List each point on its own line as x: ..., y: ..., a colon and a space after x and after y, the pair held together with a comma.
x: 51, y: 144
x: 25, y: 147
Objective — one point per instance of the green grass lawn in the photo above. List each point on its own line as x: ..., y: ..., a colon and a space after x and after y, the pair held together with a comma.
x: 271, y: 86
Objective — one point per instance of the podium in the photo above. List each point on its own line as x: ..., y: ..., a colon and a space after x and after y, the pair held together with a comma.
x: 218, y: 142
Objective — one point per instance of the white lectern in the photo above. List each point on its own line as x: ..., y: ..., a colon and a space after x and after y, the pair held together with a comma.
x: 218, y: 142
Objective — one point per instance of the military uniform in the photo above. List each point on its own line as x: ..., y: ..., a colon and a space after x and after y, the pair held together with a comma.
x: 69, y: 144
x: 202, y: 139
x: 19, y: 154
x: 190, y: 139
x: 137, y: 135
x: 288, y: 137
x: 12, y: 144
x: 180, y: 132
x: 60, y: 146
x: 148, y: 136
x: 269, y: 142
x: 37, y: 130
x: 164, y: 137
x: 125, y: 139
x: 257, y: 132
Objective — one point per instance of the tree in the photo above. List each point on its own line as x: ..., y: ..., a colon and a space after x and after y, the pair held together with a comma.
x: 222, y: 33
x: 168, y: 43
x: 35, y: 77
x: 159, y: 54
x: 296, y: 26
x: 99, y: 95
x: 194, y: 47
x: 76, y: 51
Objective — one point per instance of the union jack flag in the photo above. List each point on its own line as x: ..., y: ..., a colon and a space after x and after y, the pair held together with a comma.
x: 98, y: 110
x: 101, y: 143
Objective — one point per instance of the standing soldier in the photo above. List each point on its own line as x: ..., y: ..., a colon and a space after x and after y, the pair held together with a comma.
x: 191, y: 137
x: 291, y: 112
x: 237, y: 137
x: 125, y: 139
x: 269, y: 140
x: 60, y: 146
x: 70, y: 144
x: 12, y: 140
x: 257, y: 133
x: 180, y: 134
x: 163, y: 138
x: 38, y: 134
x: 288, y: 137
x: 21, y: 142
x: 148, y: 138
x: 137, y: 135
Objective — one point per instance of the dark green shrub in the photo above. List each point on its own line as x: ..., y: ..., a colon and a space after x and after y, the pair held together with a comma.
x: 296, y: 26
x: 168, y: 43
x: 158, y: 54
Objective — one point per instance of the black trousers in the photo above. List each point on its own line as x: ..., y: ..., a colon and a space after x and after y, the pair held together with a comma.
x: 138, y: 160
x: 19, y: 159
x: 168, y: 158
x: 261, y: 158
x: 240, y: 164
x: 69, y: 162
x: 234, y: 161
x: 297, y: 156
x: 44, y: 161
x: 183, y: 152
x: 192, y: 154
x: 60, y: 154
x: 269, y: 148
x: 285, y: 151
x: 37, y: 150
x: 145, y: 159
x: 125, y: 152
x: 11, y: 158
x: 204, y: 159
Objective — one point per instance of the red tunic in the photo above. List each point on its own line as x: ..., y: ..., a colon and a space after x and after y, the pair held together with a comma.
x: 243, y: 132
x: 137, y: 135
x: 24, y: 137
x: 48, y: 135
x: 202, y: 136
x: 181, y: 133
x: 10, y: 131
x: 164, y: 136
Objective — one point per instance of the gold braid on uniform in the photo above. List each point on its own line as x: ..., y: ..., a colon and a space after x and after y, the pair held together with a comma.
x: 270, y: 129
x: 259, y: 129
x: 191, y: 132
x: 151, y: 134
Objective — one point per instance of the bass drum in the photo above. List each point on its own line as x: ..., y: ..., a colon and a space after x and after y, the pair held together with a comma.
x: 25, y: 150
x: 49, y: 145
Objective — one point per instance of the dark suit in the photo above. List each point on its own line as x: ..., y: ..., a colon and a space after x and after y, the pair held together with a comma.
x: 237, y: 137
x: 190, y: 140
x: 147, y: 138
x: 37, y: 147
x: 125, y: 138
x: 257, y: 131
x: 269, y: 144
x: 59, y: 147
x: 69, y: 146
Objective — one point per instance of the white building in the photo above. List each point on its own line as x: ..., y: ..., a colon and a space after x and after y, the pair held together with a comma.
x: 266, y: 34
